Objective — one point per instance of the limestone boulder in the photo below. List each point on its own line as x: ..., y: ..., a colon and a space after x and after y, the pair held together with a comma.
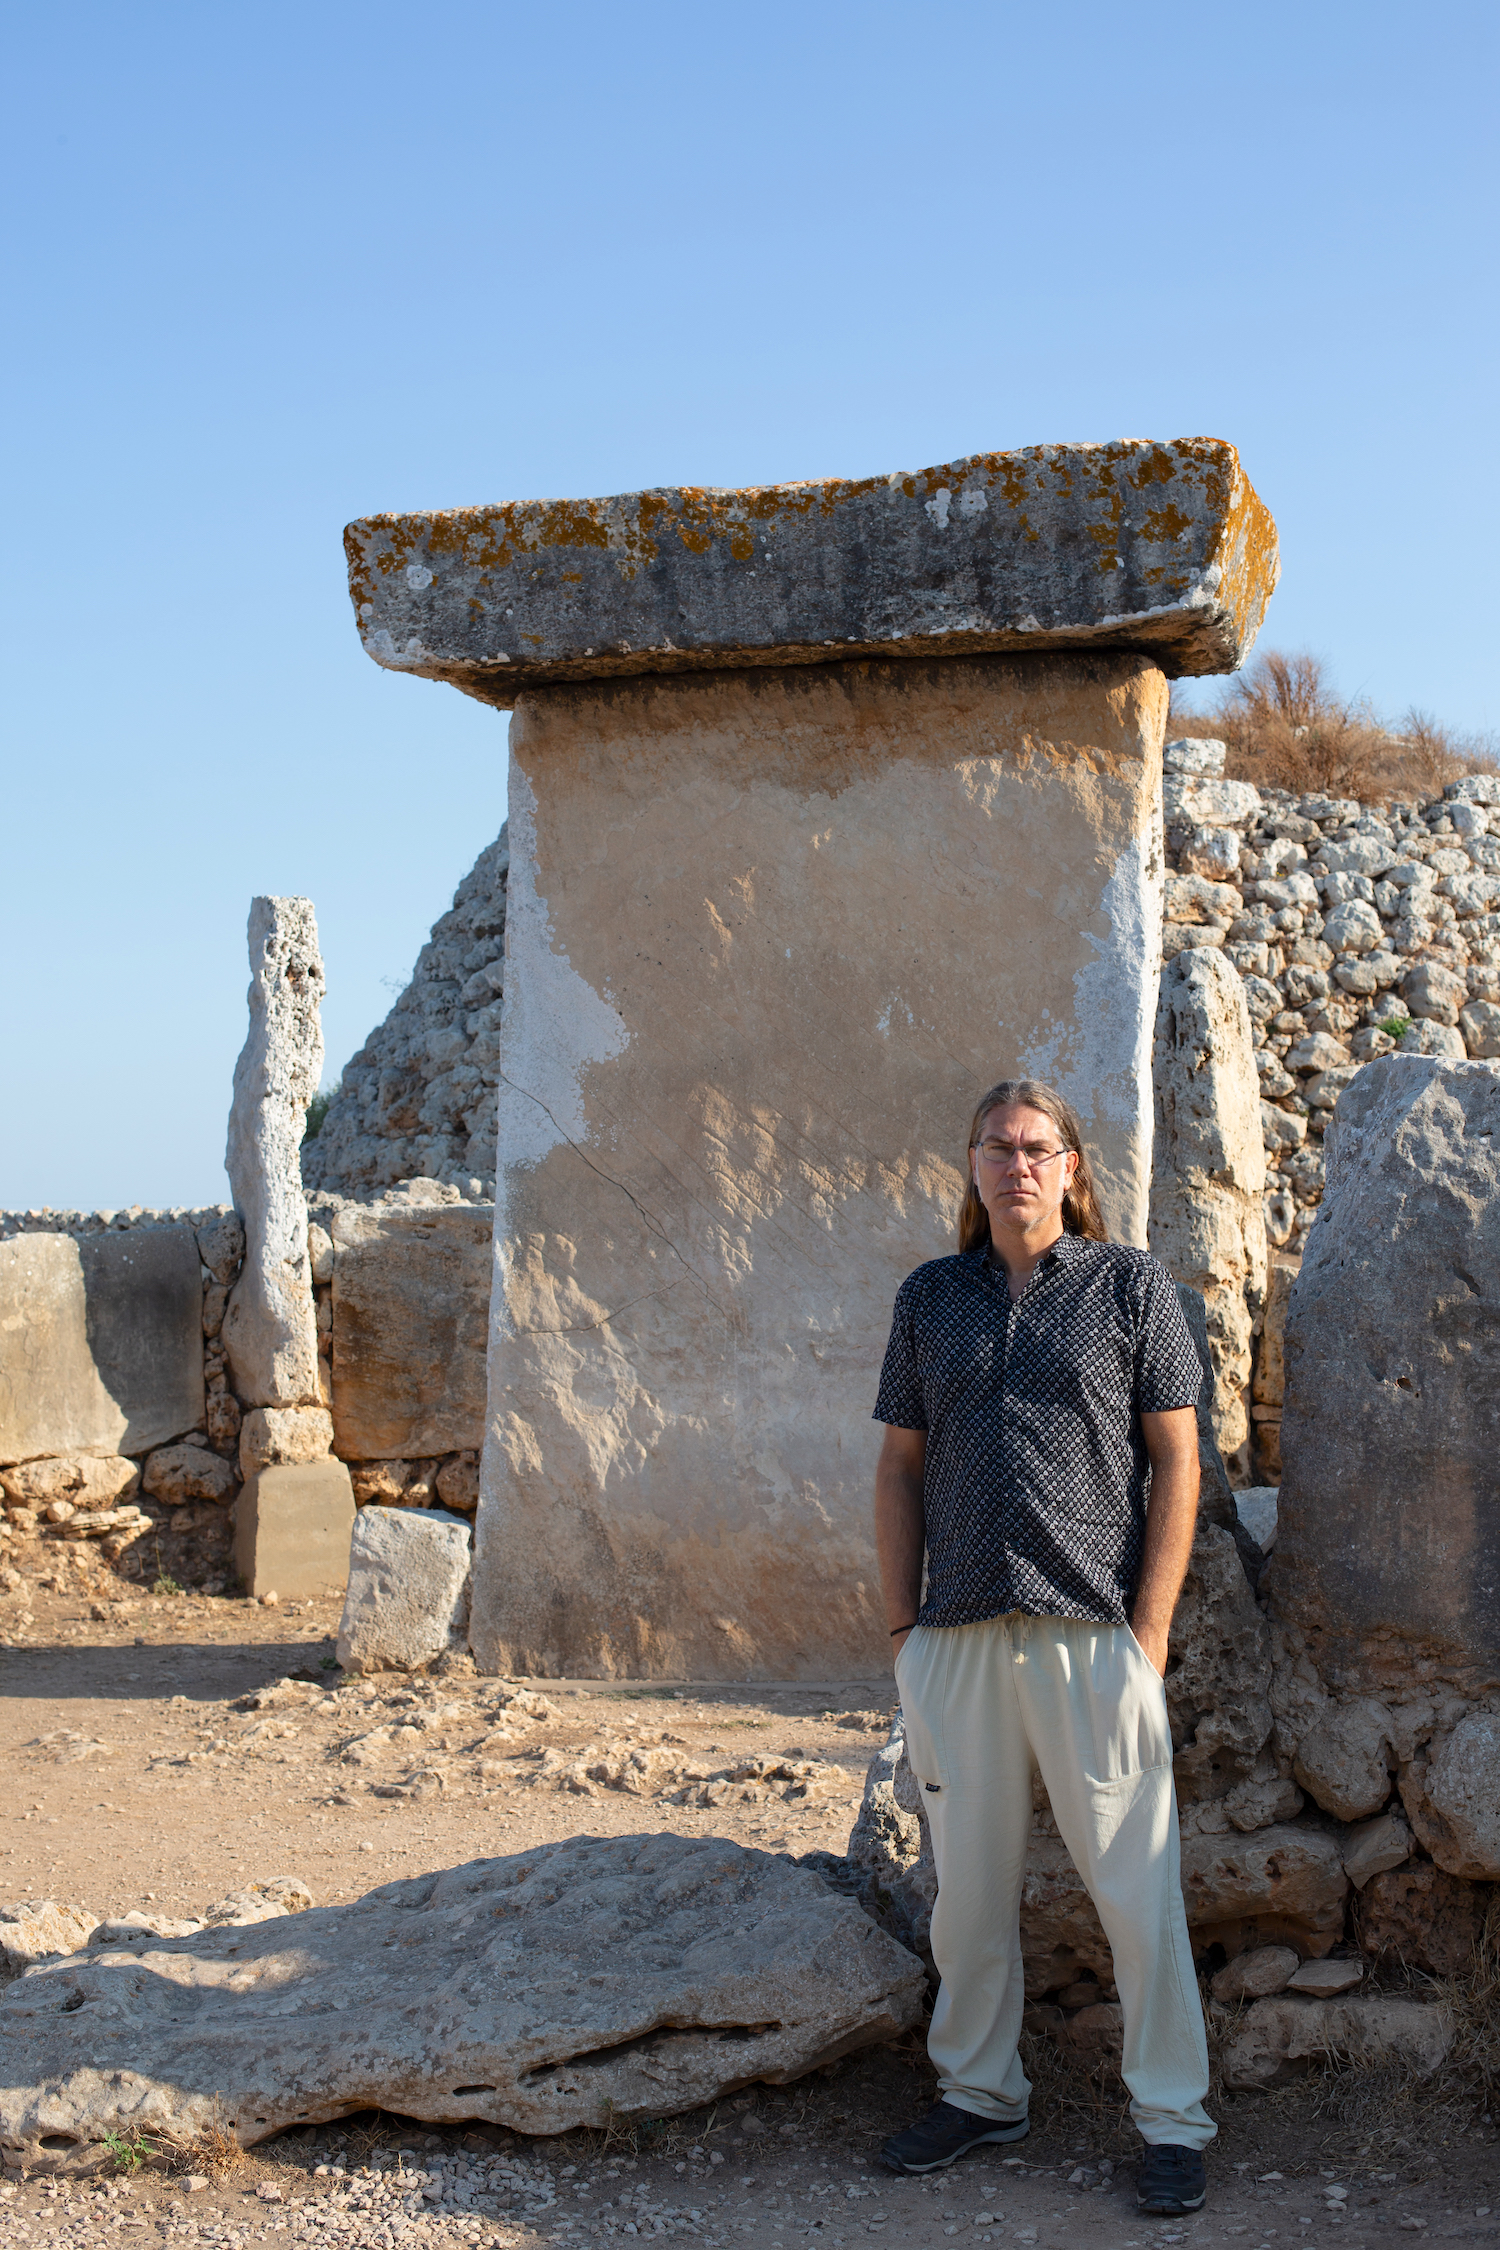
x: 1280, y: 2039
x: 1451, y: 1791
x: 1346, y: 1761
x: 1209, y: 1169
x: 1387, y: 1558
x: 408, y: 1594
x: 177, y: 1474
x: 275, y: 1435
x: 221, y: 1246
x: 1373, y: 1846
x: 101, y: 1342
x: 581, y: 1984
x: 1419, y: 1915
x: 411, y: 1304
x: 270, y: 1328
x: 1256, y: 1975
x: 81, y: 1480
x: 997, y: 551
x: 34, y: 1929
x: 1278, y: 1886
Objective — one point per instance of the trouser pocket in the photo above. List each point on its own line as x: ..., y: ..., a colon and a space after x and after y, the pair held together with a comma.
x: 921, y: 1671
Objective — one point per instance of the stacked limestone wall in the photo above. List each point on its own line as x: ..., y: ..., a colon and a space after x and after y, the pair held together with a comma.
x: 418, y: 1100
x: 1340, y: 918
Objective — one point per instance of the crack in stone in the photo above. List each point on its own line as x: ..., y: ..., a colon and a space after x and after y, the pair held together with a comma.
x: 653, y: 1224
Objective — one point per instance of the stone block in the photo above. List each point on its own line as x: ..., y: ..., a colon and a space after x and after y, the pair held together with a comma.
x: 408, y: 1595
x: 80, y: 1480
x: 1144, y: 545
x: 1388, y: 1548
x: 1375, y: 1846
x: 738, y: 1085
x: 411, y: 1304
x: 1279, y: 2039
x: 180, y: 1473
x: 1256, y: 1506
x: 269, y: 1330
x: 101, y: 1342
x: 1279, y: 1886
x: 279, y: 1435
x: 1255, y: 1975
x: 1426, y: 1918
x: 292, y: 1528
x: 1197, y: 757
x: 1346, y: 1762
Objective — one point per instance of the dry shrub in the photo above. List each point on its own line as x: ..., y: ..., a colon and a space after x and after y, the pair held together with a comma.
x: 1287, y: 728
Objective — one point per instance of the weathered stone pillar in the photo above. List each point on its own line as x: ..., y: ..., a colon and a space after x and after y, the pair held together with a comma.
x: 1385, y: 1581
x: 1209, y: 1172
x: 293, y: 1518
x: 830, y: 804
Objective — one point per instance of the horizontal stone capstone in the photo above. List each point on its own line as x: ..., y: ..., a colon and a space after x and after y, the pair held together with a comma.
x: 1163, y: 547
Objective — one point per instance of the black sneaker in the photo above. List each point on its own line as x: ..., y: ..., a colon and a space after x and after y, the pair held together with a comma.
x: 945, y: 2132
x: 1171, y: 2180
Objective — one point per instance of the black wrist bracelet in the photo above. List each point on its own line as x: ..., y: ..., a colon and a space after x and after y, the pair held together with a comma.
x: 895, y: 1629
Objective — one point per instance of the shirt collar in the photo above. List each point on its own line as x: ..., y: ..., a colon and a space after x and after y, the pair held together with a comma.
x: 1063, y: 1251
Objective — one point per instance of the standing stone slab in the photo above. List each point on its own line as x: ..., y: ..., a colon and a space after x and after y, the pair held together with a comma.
x: 292, y: 1527
x: 770, y: 934
x: 270, y: 1326
x: 1161, y: 546
x: 1209, y: 1171
x: 411, y: 1307
x: 1388, y: 1541
x: 101, y: 1342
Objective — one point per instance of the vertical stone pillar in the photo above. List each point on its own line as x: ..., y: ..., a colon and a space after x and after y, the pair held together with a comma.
x: 1209, y: 1172
x: 830, y: 805
x: 294, y: 1516
x: 771, y: 934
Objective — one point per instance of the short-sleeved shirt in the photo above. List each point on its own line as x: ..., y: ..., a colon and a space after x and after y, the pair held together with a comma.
x: 1037, y: 1475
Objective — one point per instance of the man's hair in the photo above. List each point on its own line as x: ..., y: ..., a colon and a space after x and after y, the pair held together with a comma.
x: 1080, y: 1212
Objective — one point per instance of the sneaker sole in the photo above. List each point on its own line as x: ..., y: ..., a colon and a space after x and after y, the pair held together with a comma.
x: 941, y: 2163
x: 1170, y: 2207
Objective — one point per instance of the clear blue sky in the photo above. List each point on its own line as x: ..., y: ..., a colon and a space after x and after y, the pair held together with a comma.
x: 273, y: 267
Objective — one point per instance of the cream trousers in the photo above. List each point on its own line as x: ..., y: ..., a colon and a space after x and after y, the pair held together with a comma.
x: 984, y: 1705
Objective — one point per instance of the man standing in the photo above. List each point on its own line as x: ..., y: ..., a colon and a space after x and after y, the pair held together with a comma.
x: 1039, y: 1394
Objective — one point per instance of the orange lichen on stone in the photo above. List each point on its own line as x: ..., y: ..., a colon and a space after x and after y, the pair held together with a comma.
x: 1134, y: 544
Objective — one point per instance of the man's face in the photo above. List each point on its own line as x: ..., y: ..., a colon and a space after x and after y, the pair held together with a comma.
x: 1021, y: 1167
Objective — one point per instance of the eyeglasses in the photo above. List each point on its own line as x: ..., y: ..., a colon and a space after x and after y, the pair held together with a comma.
x: 1036, y: 1153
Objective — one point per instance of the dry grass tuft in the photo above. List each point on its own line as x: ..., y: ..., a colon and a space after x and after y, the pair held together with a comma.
x: 216, y: 2150
x: 1287, y: 728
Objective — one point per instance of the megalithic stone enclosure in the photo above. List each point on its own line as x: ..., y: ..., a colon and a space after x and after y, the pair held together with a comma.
x: 830, y: 804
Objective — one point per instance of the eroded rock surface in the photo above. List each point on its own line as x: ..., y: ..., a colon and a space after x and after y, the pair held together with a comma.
x: 577, y: 1984
x: 1279, y: 2039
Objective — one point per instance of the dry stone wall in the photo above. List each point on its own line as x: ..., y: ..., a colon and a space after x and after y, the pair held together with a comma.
x: 418, y: 1100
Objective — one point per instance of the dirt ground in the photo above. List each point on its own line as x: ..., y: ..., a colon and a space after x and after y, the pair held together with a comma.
x: 158, y: 1752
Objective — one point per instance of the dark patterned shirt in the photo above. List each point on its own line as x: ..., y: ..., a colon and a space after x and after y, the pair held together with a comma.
x: 1037, y: 1475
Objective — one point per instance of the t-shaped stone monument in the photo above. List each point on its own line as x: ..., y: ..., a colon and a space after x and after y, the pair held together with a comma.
x: 830, y: 804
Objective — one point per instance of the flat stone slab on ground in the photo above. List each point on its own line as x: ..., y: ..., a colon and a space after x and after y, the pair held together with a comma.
x: 1141, y: 545
x: 587, y: 1982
